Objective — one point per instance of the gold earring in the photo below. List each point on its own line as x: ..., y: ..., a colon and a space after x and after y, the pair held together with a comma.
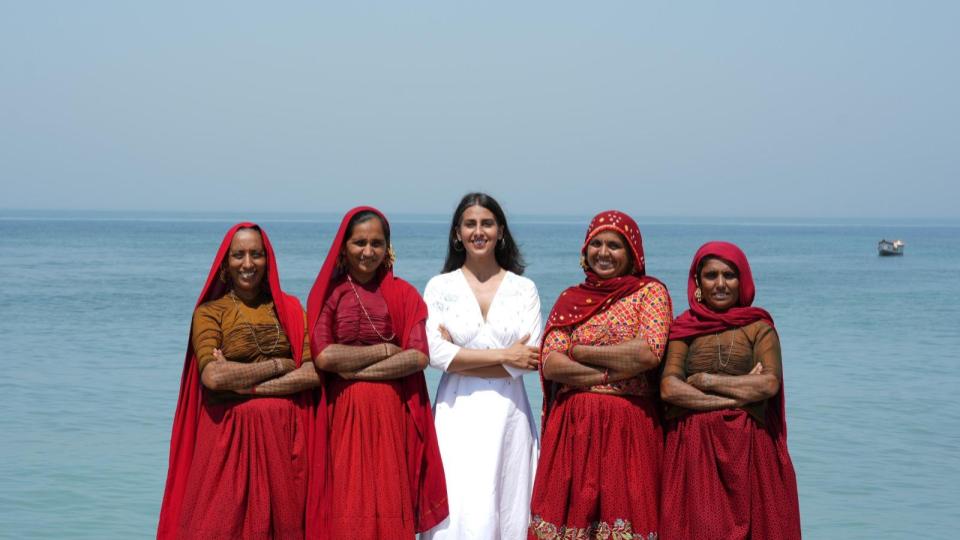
x: 223, y: 276
x: 698, y: 295
x: 583, y: 262
x: 391, y: 256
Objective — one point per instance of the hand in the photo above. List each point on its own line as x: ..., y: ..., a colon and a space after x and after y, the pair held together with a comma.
x: 520, y: 355
x: 286, y: 364
x: 218, y: 356
x: 701, y: 381
x: 444, y: 333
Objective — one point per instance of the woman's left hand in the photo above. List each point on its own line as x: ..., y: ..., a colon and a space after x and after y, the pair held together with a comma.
x: 701, y: 380
x: 444, y: 333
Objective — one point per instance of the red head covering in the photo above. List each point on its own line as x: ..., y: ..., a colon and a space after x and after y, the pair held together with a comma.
x: 580, y: 302
x: 185, y: 420
x: 700, y: 319
x: 407, y: 310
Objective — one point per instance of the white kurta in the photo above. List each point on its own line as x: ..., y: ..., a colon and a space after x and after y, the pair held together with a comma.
x: 485, y: 427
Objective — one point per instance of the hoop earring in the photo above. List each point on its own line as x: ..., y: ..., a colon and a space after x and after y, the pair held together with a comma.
x: 698, y: 295
x: 223, y: 276
x: 502, y: 243
x: 458, y: 245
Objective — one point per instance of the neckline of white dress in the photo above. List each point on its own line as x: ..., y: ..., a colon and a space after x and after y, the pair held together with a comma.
x: 476, y: 302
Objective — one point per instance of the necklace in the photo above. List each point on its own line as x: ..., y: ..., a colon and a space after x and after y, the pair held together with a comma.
x: 252, y: 332
x: 723, y: 363
x: 367, y: 315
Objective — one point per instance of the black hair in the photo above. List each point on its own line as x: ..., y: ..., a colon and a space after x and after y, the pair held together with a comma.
x: 363, y: 217
x: 506, y: 251
x: 703, y: 262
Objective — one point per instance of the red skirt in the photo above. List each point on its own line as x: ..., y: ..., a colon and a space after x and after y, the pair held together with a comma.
x: 599, y: 470
x: 725, y: 477
x: 247, y: 478
x: 370, y: 486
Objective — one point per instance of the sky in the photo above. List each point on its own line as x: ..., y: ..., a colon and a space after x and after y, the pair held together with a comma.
x: 754, y: 109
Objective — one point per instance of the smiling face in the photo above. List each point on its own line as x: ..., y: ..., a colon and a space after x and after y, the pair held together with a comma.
x: 479, y: 232
x: 246, y: 262
x: 365, y: 249
x: 608, y: 255
x: 719, y: 283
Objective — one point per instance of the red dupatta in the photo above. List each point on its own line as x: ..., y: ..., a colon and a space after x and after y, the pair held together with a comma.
x: 578, y: 303
x: 186, y: 418
x: 700, y: 319
x: 407, y: 309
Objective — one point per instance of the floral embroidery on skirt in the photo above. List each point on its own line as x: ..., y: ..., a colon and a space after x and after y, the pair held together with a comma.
x: 599, y: 530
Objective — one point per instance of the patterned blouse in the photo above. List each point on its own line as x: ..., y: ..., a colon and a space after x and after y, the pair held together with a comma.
x: 647, y: 312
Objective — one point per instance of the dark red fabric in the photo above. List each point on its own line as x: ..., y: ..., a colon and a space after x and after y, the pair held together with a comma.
x: 725, y: 476
x: 186, y: 435
x: 407, y: 310
x: 247, y: 478
x: 580, y: 302
x: 700, y: 319
x: 599, y: 468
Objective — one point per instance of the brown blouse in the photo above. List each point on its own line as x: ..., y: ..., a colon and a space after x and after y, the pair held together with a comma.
x: 245, y: 333
x: 731, y: 352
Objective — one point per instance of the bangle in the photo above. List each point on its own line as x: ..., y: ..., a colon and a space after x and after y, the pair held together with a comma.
x: 606, y: 377
x: 276, y: 366
x: 386, y: 350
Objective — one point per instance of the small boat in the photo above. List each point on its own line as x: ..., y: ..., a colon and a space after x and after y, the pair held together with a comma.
x: 887, y: 248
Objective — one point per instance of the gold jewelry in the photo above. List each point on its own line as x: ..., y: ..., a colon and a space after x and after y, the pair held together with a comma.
x: 391, y: 256
x: 720, y: 360
x: 252, y: 332
x: 698, y: 294
x: 223, y: 276
x: 583, y: 262
x: 367, y: 315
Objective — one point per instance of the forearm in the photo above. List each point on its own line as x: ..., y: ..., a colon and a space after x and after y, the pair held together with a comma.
x: 226, y: 375
x: 486, y: 372
x: 744, y: 388
x: 349, y: 358
x: 560, y: 368
x: 630, y: 357
x: 396, y: 366
x: 300, y: 379
x: 678, y: 392
x: 469, y: 359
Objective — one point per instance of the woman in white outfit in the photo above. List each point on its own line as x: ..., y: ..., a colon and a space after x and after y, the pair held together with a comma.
x: 483, y: 328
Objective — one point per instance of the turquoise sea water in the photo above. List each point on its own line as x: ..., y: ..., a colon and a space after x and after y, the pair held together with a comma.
x: 96, y: 309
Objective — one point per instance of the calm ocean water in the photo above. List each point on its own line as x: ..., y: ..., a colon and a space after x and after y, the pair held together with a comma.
x: 96, y: 310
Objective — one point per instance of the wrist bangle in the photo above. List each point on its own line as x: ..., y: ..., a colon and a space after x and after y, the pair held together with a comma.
x: 276, y: 366
x: 606, y: 377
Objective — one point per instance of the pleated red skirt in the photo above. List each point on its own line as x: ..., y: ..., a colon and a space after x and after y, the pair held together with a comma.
x: 247, y: 478
x: 725, y: 477
x: 599, y: 470
x: 369, y: 482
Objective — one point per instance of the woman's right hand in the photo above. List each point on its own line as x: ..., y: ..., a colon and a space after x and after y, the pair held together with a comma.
x: 286, y: 364
x: 522, y: 356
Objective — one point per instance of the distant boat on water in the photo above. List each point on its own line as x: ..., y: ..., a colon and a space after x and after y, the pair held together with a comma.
x: 887, y: 248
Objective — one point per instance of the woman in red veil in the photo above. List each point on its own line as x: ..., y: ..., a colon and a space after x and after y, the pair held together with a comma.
x: 246, y: 447
x: 367, y: 331
x: 599, y: 470
x: 727, y: 471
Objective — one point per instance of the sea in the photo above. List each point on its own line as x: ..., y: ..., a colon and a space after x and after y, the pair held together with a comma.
x: 96, y: 308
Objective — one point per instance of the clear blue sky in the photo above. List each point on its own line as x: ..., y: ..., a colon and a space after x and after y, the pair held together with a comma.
x: 819, y: 109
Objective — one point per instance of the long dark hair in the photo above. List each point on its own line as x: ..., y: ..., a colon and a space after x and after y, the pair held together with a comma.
x: 507, y: 253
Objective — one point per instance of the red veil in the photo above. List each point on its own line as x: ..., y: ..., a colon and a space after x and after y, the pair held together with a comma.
x: 407, y: 310
x: 186, y: 417
x: 580, y: 302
